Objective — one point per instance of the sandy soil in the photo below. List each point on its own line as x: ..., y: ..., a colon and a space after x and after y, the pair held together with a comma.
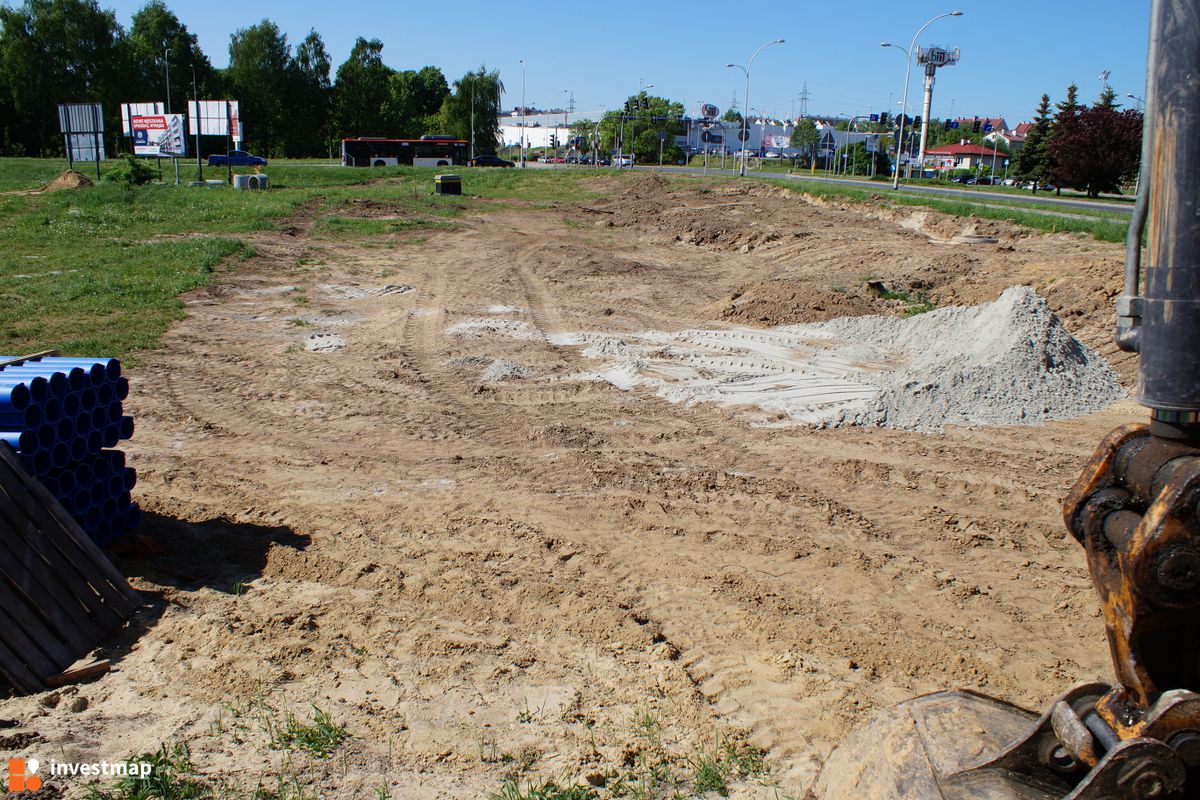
x: 480, y: 578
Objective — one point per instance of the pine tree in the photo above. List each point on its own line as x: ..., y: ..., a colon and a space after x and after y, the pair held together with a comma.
x: 1108, y: 99
x: 1031, y: 162
x: 1071, y: 102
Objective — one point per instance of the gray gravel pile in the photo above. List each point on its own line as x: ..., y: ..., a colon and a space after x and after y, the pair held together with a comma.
x: 1007, y: 362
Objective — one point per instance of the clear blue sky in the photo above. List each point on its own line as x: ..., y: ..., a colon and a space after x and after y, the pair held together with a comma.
x: 1012, y: 51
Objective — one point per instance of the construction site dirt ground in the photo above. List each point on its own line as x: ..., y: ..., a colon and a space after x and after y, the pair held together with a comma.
x: 526, y: 575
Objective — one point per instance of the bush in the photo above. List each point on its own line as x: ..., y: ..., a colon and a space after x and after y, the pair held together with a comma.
x: 131, y: 172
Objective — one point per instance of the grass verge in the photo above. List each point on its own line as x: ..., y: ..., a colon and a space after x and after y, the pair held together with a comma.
x: 99, y: 271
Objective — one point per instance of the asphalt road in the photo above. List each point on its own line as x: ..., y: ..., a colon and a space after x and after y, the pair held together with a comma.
x: 976, y: 195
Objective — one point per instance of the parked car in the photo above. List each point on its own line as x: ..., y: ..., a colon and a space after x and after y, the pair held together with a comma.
x: 236, y: 158
x: 622, y: 161
x: 489, y: 161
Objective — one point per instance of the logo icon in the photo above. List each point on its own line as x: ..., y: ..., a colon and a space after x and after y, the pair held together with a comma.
x: 22, y: 775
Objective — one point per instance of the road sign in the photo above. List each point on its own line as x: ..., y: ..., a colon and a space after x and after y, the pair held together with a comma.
x: 743, y: 135
x: 662, y: 135
x: 709, y: 111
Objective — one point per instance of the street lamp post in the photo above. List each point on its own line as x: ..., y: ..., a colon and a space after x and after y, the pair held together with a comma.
x: 522, y: 150
x: 746, y: 101
x: 904, y: 102
x: 167, y: 67
x: 196, y: 122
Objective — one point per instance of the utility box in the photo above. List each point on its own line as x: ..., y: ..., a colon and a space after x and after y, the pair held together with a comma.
x: 447, y: 184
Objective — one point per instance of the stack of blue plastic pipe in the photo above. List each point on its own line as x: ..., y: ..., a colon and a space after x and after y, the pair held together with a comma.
x: 60, y: 414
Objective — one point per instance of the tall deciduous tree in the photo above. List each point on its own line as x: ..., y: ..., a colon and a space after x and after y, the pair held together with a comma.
x: 646, y: 116
x: 311, y: 133
x: 805, y: 136
x: 1095, y: 149
x: 158, y: 40
x: 57, y: 51
x: 1032, y: 162
x: 415, y: 98
x: 261, y: 76
x: 361, y: 94
x: 475, y: 100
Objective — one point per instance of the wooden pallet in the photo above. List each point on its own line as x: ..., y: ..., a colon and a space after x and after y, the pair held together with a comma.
x: 60, y: 596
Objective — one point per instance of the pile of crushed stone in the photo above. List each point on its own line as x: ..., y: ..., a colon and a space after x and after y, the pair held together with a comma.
x: 1002, y: 363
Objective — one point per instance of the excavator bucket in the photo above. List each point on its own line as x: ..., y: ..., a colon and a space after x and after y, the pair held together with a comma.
x: 1135, y: 509
x: 928, y: 749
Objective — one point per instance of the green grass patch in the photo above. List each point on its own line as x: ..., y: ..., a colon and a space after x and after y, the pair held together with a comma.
x: 102, y: 300
x: 512, y: 789
x: 172, y: 776
x: 320, y: 736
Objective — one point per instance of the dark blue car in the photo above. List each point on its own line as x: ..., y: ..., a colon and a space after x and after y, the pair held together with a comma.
x: 236, y: 158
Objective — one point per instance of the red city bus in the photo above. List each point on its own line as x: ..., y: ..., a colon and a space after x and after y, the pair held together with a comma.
x: 428, y: 151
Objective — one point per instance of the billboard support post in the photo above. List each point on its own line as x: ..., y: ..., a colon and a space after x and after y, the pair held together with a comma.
x: 96, y: 122
x: 228, y: 143
x: 70, y: 140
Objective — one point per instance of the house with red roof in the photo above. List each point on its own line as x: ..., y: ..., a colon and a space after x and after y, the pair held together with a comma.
x: 967, y: 124
x: 1010, y: 139
x: 964, y: 156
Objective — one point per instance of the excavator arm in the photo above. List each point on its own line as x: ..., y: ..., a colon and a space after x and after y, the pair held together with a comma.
x: 1135, y: 509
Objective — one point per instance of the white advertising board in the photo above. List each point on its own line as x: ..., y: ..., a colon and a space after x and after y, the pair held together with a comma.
x: 158, y: 135
x: 129, y: 110
x: 215, y: 118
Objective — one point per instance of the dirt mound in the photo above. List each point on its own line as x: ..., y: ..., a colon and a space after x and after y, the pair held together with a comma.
x: 786, y: 303
x: 68, y: 180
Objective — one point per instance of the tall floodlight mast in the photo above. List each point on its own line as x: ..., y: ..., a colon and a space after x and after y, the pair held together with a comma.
x: 933, y: 58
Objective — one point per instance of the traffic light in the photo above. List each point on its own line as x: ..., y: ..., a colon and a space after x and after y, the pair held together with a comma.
x: 916, y: 121
x: 645, y: 103
x: 946, y: 125
x: 975, y: 126
x: 883, y: 118
x: 553, y: 140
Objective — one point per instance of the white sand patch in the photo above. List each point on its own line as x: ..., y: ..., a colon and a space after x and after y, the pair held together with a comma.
x: 477, y: 328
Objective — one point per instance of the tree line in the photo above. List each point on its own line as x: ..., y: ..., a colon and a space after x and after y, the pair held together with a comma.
x: 1093, y: 148
x: 291, y: 100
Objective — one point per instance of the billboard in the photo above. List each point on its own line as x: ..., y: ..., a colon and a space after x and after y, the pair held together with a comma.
x: 158, y: 135
x: 777, y: 141
x: 82, y: 128
x: 215, y: 118
x: 937, y: 56
x: 136, y: 110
